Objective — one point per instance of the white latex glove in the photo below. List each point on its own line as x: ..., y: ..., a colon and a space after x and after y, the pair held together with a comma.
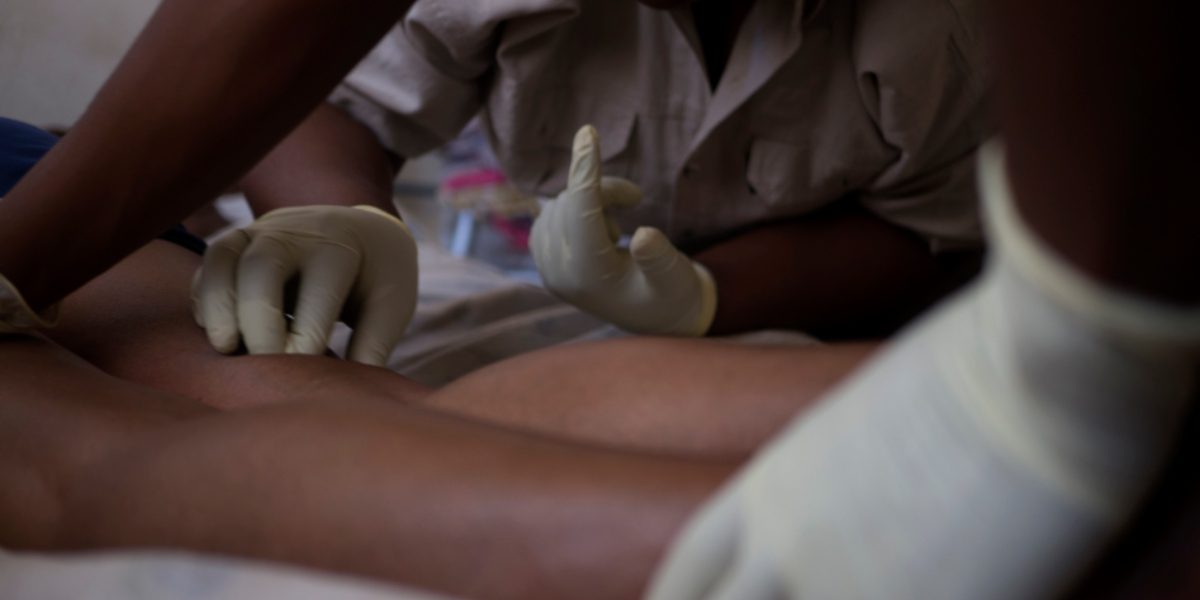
x: 650, y: 288
x: 990, y: 453
x: 359, y: 263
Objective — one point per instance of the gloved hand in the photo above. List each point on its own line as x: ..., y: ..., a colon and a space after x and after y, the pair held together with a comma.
x: 650, y: 288
x: 990, y: 452
x: 358, y: 263
x: 16, y: 315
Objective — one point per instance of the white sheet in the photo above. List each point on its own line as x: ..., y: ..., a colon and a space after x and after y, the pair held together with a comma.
x: 175, y: 576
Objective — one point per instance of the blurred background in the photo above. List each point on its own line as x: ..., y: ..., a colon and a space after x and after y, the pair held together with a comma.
x: 55, y: 55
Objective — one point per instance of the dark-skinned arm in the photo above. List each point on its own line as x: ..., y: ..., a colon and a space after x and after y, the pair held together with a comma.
x: 325, y: 166
x: 329, y: 159
x: 208, y: 87
x: 839, y: 273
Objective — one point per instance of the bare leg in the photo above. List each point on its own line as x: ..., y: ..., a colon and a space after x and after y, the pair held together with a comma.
x: 134, y: 323
x: 703, y: 398
x: 360, y: 486
x: 350, y: 481
x: 59, y: 414
x: 1101, y: 124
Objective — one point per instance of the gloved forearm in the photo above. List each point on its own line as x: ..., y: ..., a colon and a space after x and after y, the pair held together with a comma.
x: 328, y: 159
x: 991, y: 452
x: 209, y: 86
x: 839, y: 273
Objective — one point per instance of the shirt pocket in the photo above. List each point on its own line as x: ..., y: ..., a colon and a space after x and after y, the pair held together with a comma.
x: 544, y: 161
x: 777, y: 174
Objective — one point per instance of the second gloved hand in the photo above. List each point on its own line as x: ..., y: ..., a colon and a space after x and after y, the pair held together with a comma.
x: 357, y: 264
x: 650, y: 288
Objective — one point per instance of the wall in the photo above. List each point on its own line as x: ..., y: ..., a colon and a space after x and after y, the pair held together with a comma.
x: 55, y: 54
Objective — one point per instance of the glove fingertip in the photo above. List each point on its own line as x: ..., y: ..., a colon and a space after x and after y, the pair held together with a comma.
x: 223, y: 340
x: 264, y: 340
x: 585, y: 138
x: 371, y: 357
x: 305, y: 343
x: 654, y: 253
x: 649, y: 242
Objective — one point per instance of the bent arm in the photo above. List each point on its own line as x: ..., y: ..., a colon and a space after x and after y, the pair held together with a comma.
x: 329, y: 159
x: 841, y: 273
x: 205, y: 91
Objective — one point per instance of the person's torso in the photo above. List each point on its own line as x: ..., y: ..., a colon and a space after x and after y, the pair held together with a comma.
x: 784, y: 132
x: 876, y: 99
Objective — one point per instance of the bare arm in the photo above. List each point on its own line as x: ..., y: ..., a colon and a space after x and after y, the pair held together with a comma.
x: 206, y: 90
x: 329, y: 159
x: 840, y: 273
x: 1122, y: 125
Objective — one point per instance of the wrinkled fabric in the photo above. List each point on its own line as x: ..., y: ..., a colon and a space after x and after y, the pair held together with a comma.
x: 880, y: 101
x: 122, y: 575
x: 470, y: 315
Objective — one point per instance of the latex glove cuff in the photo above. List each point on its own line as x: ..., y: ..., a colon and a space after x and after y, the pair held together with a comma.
x: 1141, y: 321
x: 17, y: 316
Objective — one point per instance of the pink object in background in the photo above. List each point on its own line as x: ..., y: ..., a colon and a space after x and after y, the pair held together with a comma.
x: 514, y: 229
x: 485, y: 192
x: 474, y: 178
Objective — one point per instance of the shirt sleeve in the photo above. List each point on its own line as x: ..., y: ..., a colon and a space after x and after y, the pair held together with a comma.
x: 923, y: 76
x: 426, y: 79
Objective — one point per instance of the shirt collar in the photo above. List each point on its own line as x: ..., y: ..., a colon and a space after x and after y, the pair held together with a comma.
x: 802, y: 12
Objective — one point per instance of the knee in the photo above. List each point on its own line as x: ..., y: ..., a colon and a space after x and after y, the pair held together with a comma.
x: 59, y: 416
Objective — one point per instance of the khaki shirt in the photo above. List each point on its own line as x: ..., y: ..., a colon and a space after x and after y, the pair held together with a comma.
x: 880, y: 101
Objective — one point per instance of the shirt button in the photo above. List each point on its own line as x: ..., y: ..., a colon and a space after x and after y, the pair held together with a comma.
x: 690, y: 169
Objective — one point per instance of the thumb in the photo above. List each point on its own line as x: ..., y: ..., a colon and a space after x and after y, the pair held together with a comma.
x: 654, y: 253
